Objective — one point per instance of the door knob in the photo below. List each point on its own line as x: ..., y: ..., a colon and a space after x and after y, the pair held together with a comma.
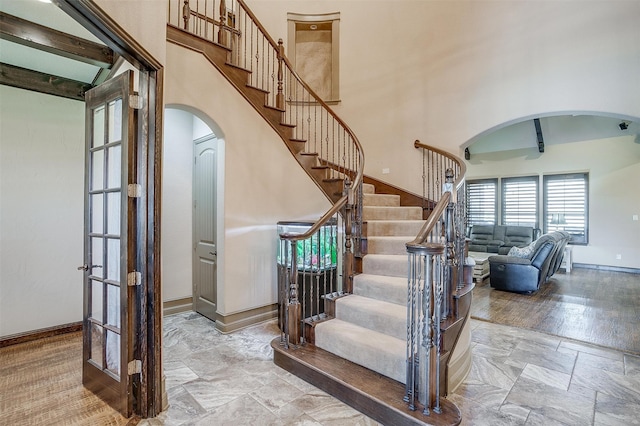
x: 213, y: 253
x: 85, y: 267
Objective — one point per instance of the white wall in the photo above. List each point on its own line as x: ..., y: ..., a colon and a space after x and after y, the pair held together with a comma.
x: 263, y: 182
x: 444, y: 71
x: 613, y: 194
x: 41, y: 210
x: 177, y: 202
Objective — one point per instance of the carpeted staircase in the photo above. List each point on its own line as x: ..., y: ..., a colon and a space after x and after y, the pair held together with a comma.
x: 370, y: 325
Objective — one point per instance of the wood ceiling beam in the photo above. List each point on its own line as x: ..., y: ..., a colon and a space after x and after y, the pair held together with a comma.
x: 49, y: 40
x: 44, y: 83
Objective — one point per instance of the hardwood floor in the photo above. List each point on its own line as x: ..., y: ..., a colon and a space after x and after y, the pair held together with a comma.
x: 594, y: 306
x: 41, y: 384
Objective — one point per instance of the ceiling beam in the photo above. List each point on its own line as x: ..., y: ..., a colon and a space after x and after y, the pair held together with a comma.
x: 44, y: 83
x: 536, y: 122
x: 49, y: 40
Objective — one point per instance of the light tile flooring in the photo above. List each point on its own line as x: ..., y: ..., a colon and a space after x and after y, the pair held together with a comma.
x: 518, y: 377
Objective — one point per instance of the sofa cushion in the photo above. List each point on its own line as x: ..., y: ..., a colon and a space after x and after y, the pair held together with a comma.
x: 518, y: 235
x: 523, y: 252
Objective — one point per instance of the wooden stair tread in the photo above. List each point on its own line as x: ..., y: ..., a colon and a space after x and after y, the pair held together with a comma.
x: 373, y: 394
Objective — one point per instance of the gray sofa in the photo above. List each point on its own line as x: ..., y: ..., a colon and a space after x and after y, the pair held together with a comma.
x: 499, y: 238
x: 525, y: 275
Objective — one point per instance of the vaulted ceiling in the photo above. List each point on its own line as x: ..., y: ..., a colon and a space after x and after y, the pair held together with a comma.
x: 45, y: 50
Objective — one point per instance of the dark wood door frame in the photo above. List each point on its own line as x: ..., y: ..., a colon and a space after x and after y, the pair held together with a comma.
x: 148, y: 392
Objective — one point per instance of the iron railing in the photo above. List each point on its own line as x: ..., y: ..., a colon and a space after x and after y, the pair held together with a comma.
x: 435, y: 265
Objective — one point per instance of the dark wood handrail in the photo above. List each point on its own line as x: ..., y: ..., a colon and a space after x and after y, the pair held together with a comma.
x: 316, y: 226
x: 432, y: 220
x: 359, y: 173
x: 458, y: 160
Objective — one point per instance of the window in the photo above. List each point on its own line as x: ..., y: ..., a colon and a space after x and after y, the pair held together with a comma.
x: 482, y: 202
x: 520, y: 201
x: 566, y: 205
x: 313, y: 49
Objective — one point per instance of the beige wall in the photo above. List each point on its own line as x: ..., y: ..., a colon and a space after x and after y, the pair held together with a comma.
x: 263, y: 182
x: 613, y: 194
x: 144, y: 20
x: 41, y: 210
x: 445, y: 71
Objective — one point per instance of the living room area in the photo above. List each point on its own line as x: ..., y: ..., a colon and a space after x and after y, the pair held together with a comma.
x: 592, y: 295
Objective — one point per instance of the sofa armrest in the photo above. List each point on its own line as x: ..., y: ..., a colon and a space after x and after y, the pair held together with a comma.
x: 504, y: 259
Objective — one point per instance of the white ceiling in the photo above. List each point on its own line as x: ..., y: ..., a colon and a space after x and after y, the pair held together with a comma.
x: 48, y: 15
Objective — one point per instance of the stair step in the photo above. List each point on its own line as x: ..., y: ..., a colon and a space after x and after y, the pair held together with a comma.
x: 367, y: 188
x: 376, y: 396
x: 391, y: 265
x: 392, y: 213
x: 393, y: 227
x: 375, y: 351
x: 389, y: 200
x: 388, y: 245
x: 376, y: 315
x: 390, y: 289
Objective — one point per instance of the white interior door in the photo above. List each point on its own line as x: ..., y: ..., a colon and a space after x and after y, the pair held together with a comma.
x: 204, y: 229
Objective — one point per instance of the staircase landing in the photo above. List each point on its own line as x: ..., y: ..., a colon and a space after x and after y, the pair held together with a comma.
x: 373, y: 394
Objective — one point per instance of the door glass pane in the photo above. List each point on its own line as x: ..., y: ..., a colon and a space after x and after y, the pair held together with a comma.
x: 98, y: 127
x: 113, y: 213
x: 115, y: 120
x: 113, y: 352
x: 96, y: 300
x: 96, y: 344
x: 113, y: 259
x: 113, y: 305
x: 96, y: 257
x: 113, y: 175
x: 97, y: 214
x: 97, y: 169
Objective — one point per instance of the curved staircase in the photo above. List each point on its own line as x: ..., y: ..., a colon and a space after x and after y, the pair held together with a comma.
x: 357, y: 349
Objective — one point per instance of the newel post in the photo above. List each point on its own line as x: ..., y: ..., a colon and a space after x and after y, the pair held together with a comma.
x: 450, y: 272
x: 186, y: 14
x: 293, y: 307
x: 222, y: 32
x: 348, y: 234
x: 280, y: 95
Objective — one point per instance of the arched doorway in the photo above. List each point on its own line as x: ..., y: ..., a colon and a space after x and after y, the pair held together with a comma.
x: 193, y: 173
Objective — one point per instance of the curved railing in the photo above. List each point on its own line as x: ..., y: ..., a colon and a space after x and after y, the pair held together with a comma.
x: 323, y: 144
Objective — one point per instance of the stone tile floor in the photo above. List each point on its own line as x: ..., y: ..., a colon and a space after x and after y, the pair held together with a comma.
x: 518, y: 377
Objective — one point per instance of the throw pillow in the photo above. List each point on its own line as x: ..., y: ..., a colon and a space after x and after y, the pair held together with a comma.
x: 523, y: 252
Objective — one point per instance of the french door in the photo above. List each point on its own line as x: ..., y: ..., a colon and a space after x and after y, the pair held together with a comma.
x: 110, y: 241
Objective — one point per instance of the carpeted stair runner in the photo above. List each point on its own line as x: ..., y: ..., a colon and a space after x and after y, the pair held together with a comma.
x: 370, y: 325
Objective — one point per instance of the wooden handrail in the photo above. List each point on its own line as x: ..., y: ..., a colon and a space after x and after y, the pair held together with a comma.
x: 463, y: 167
x: 432, y: 220
x: 316, y: 226
x: 359, y: 173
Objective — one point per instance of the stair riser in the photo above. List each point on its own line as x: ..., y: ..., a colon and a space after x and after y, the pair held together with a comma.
x: 390, y: 227
x: 374, y: 266
x: 393, y: 290
x: 391, y: 322
x: 381, y: 200
x: 391, y: 213
x: 381, y: 246
x: 388, y: 360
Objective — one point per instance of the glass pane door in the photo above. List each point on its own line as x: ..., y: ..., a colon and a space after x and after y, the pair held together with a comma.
x: 108, y: 128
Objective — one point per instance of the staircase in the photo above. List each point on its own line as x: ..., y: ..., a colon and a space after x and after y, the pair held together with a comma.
x: 357, y: 349
x: 370, y: 325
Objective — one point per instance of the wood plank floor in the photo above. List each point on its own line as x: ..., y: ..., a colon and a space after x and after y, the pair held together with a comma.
x: 41, y: 384
x: 594, y: 306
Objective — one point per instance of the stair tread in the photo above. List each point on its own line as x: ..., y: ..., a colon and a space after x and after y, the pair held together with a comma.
x: 373, y: 314
x: 377, y: 351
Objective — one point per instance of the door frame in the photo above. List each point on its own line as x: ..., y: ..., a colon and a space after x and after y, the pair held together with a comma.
x: 150, y: 396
